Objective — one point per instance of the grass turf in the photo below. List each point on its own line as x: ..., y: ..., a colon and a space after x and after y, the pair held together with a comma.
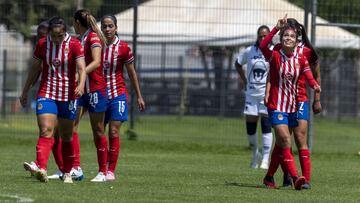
x: 193, y: 159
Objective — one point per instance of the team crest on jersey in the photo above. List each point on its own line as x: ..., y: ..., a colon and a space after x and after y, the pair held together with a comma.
x: 39, y: 106
x: 280, y: 117
x: 56, y: 62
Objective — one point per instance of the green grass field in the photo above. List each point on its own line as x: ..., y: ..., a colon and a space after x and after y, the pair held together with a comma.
x: 193, y: 159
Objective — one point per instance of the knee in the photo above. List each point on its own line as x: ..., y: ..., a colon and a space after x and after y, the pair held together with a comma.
x: 251, y: 128
x: 46, y: 131
x: 113, y: 132
x: 265, y: 125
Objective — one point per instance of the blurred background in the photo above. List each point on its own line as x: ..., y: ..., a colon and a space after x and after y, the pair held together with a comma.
x: 185, y: 54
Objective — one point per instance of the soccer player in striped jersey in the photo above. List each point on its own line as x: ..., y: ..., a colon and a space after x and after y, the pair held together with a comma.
x: 58, y: 57
x: 305, y: 48
x: 95, y: 99
x: 117, y: 54
x: 255, y: 81
x: 286, y: 66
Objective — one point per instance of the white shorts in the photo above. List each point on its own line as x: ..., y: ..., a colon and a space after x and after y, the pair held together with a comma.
x: 255, y: 106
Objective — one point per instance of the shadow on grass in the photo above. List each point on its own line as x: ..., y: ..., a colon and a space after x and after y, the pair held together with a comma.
x: 248, y: 185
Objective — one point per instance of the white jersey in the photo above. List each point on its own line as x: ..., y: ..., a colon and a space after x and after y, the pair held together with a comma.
x: 257, y: 71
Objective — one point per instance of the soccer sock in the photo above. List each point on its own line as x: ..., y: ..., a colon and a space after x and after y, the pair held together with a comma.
x: 276, y: 158
x: 102, y: 151
x: 56, y: 150
x: 67, y: 150
x: 254, y: 144
x: 43, y: 149
x: 76, y: 145
x: 288, y: 161
x: 304, y: 156
x: 113, y: 155
x: 267, y: 142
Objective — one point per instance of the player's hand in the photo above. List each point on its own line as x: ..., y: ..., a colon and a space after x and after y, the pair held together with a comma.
x: 316, y: 106
x: 281, y: 22
x: 141, y: 104
x: 317, y: 88
x: 23, y: 99
x: 266, y: 99
x: 79, y: 91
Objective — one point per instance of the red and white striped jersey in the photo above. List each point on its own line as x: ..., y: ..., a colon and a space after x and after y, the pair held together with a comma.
x: 95, y: 79
x: 301, y: 49
x: 59, y: 67
x: 284, y: 74
x: 115, y: 56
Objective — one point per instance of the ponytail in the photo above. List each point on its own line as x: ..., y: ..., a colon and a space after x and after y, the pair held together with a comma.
x: 92, y: 23
x: 305, y: 39
x: 88, y: 21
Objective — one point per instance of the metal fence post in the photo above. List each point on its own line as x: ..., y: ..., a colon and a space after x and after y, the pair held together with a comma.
x: 3, y: 103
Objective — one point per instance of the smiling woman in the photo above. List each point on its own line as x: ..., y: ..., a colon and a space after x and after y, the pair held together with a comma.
x: 286, y: 66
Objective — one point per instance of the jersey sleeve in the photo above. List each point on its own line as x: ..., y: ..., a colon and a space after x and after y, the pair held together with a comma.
x: 78, y: 50
x: 242, y: 59
x: 38, y: 52
x: 308, y: 74
x: 94, y: 41
x: 128, y: 57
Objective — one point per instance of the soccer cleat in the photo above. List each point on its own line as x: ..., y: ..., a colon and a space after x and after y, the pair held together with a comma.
x: 299, y: 182
x: 110, y: 176
x: 77, y: 174
x: 67, y: 178
x: 31, y: 167
x: 287, y: 181
x: 57, y: 175
x: 269, y: 182
x: 254, y: 161
x: 100, y: 177
x: 306, y: 186
x: 41, y: 175
x: 264, y: 164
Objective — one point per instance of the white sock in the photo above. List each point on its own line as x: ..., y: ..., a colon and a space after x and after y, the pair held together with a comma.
x: 267, y: 139
x: 254, y: 143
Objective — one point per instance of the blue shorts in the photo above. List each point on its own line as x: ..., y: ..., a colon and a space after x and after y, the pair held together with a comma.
x: 94, y: 101
x: 277, y: 118
x: 303, y: 112
x: 63, y: 109
x: 117, y: 109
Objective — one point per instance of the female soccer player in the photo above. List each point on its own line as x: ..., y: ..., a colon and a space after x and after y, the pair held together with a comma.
x: 57, y: 57
x: 116, y: 54
x: 305, y: 48
x: 95, y: 99
x: 255, y: 81
x: 286, y: 66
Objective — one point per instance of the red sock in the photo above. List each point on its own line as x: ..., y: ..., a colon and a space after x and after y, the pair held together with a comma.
x: 304, y: 157
x: 102, y: 151
x: 43, y: 149
x: 113, y: 155
x: 56, y: 150
x: 67, y: 150
x: 76, y: 145
x: 275, y: 161
x: 289, y: 163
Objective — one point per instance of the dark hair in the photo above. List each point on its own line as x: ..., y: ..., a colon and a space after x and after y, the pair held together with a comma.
x: 56, y: 22
x: 88, y: 21
x: 42, y: 28
x: 302, y: 32
x: 257, y: 43
x: 112, y: 17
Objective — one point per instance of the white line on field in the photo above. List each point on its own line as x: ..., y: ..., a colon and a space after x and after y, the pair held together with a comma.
x: 17, y: 198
